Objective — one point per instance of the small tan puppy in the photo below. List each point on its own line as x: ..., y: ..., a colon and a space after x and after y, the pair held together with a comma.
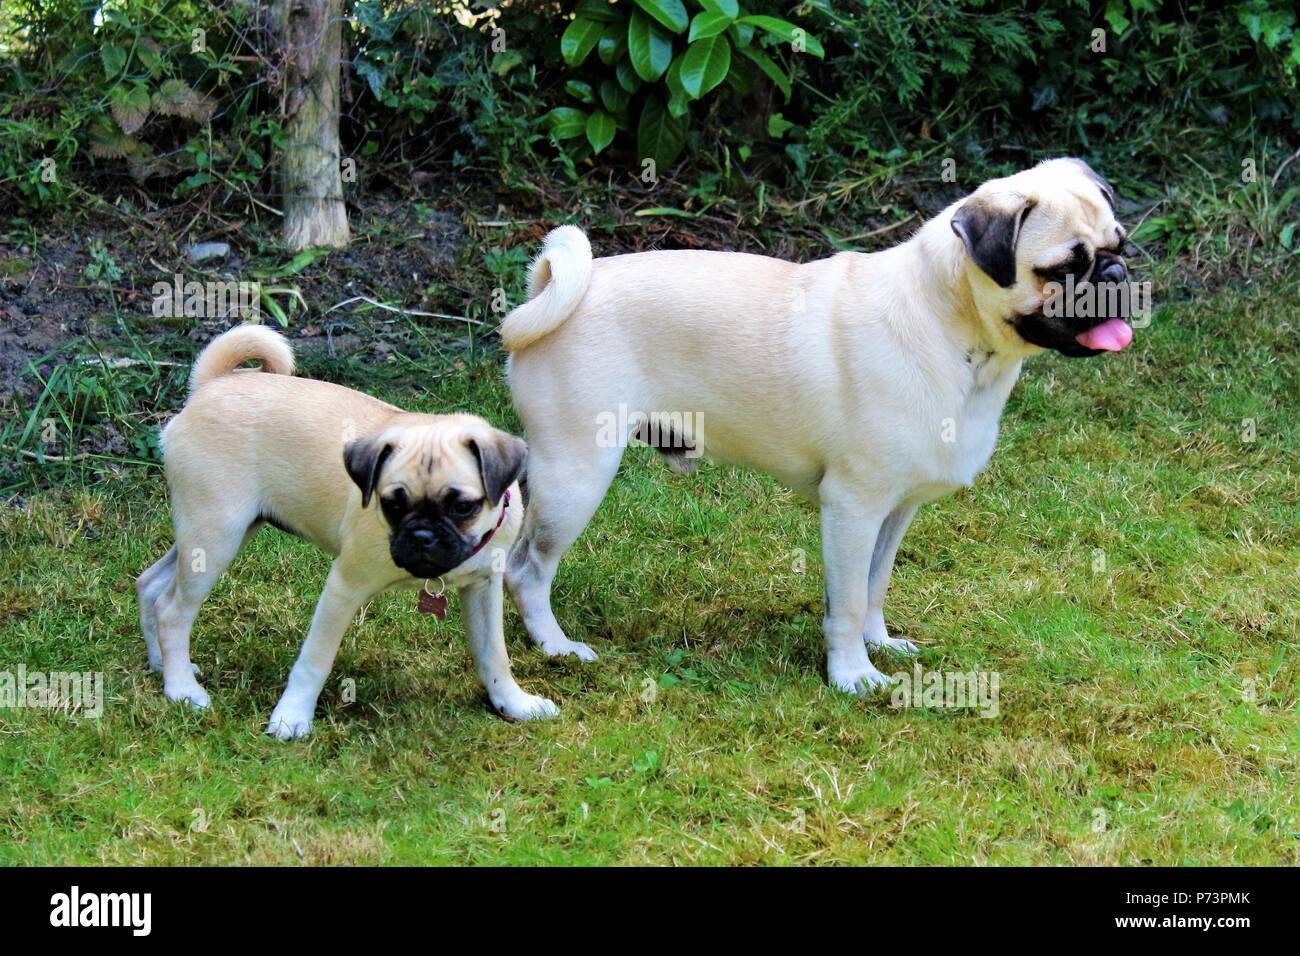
x: 872, y: 384
x: 416, y: 498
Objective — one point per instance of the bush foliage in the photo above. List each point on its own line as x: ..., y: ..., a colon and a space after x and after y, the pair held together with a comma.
x: 178, y: 96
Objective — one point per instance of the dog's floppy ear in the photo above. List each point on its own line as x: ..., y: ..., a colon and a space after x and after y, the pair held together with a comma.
x: 990, y: 231
x: 500, y: 460
x: 1107, y: 190
x: 364, y: 458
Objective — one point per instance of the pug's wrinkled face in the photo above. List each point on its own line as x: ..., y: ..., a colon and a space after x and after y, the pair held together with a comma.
x: 1048, y: 257
x: 438, y: 485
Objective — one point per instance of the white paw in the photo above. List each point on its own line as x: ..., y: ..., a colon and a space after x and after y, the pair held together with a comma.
x: 896, y: 644
x: 289, y: 722
x: 862, y: 680
x: 521, y: 706
x: 564, y: 646
x: 190, y: 692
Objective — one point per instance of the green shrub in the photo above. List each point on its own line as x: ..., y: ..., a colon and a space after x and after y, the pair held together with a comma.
x: 654, y: 58
x: 801, y: 95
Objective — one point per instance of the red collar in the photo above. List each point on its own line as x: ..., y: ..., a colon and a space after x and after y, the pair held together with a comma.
x: 488, y: 537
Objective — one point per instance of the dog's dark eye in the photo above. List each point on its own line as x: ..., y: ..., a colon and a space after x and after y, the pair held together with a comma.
x: 395, y: 501
x: 464, y: 508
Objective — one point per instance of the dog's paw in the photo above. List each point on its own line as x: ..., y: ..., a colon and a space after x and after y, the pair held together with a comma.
x: 896, y: 644
x: 289, y: 722
x: 564, y: 647
x: 523, y: 706
x: 862, y: 680
x: 190, y: 692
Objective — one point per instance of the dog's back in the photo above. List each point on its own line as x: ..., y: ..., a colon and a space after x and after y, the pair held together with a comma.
x: 259, y: 437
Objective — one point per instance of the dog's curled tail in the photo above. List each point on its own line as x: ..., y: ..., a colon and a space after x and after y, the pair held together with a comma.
x: 557, y: 281
x: 243, y: 343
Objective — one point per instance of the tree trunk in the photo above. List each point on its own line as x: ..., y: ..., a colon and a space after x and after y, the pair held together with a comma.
x: 311, y: 36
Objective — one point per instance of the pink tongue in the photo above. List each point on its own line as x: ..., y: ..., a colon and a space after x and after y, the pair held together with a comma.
x: 1113, y: 335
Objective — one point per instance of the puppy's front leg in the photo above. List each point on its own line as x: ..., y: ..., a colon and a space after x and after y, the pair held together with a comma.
x: 338, y: 603
x: 481, y: 601
x: 850, y: 525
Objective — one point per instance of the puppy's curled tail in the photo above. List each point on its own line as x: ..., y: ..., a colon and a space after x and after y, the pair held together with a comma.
x: 557, y: 281
x: 243, y: 343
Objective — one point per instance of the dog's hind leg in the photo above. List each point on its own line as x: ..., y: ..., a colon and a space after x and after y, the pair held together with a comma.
x: 565, y: 486
x: 850, y: 527
x: 882, y: 566
x: 204, y: 550
x: 148, y: 586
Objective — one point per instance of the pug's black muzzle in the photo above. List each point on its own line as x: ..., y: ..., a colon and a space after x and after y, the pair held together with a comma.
x: 1058, y: 332
x: 428, y: 547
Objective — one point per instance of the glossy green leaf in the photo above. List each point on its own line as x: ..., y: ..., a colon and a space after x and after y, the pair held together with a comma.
x: 648, y: 47
x: 707, y: 25
x: 798, y: 37
x: 566, y: 122
x: 679, y: 100
x: 742, y: 34
x: 613, y: 43
x: 728, y: 8
x: 600, y: 130
x: 627, y: 77
x: 579, y: 39
x: 581, y: 91
x: 613, y: 96
x: 705, y: 65
x: 670, y: 13
x: 660, y: 136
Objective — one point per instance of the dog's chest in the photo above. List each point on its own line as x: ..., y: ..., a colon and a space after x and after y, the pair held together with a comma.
x: 968, y: 434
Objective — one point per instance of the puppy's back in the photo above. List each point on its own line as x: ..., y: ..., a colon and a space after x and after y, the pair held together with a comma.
x: 272, y: 438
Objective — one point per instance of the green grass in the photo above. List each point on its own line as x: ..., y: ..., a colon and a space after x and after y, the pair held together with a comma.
x: 1156, y: 694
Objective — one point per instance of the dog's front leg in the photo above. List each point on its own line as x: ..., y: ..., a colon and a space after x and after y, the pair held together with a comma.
x: 850, y: 526
x: 338, y: 603
x: 882, y: 566
x: 481, y: 600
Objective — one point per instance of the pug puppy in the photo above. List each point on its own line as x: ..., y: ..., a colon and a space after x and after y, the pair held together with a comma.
x: 872, y: 384
x: 415, y: 499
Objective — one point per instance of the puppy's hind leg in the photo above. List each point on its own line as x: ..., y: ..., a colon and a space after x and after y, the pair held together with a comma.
x: 565, y: 486
x: 882, y: 566
x: 204, y: 549
x: 148, y: 587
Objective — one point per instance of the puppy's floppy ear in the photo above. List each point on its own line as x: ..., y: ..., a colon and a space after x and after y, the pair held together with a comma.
x: 1107, y: 190
x: 364, y: 458
x: 990, y: 231
x: 500, y: 460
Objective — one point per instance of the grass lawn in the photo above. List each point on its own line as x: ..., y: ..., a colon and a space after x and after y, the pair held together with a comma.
x: 1127, y: 566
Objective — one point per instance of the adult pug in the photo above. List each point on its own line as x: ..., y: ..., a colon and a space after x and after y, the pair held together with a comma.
x: 870, y: 383
x: 415, y: 498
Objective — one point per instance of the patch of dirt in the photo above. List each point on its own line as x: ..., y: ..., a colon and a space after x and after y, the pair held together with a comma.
x: 57, y: 290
